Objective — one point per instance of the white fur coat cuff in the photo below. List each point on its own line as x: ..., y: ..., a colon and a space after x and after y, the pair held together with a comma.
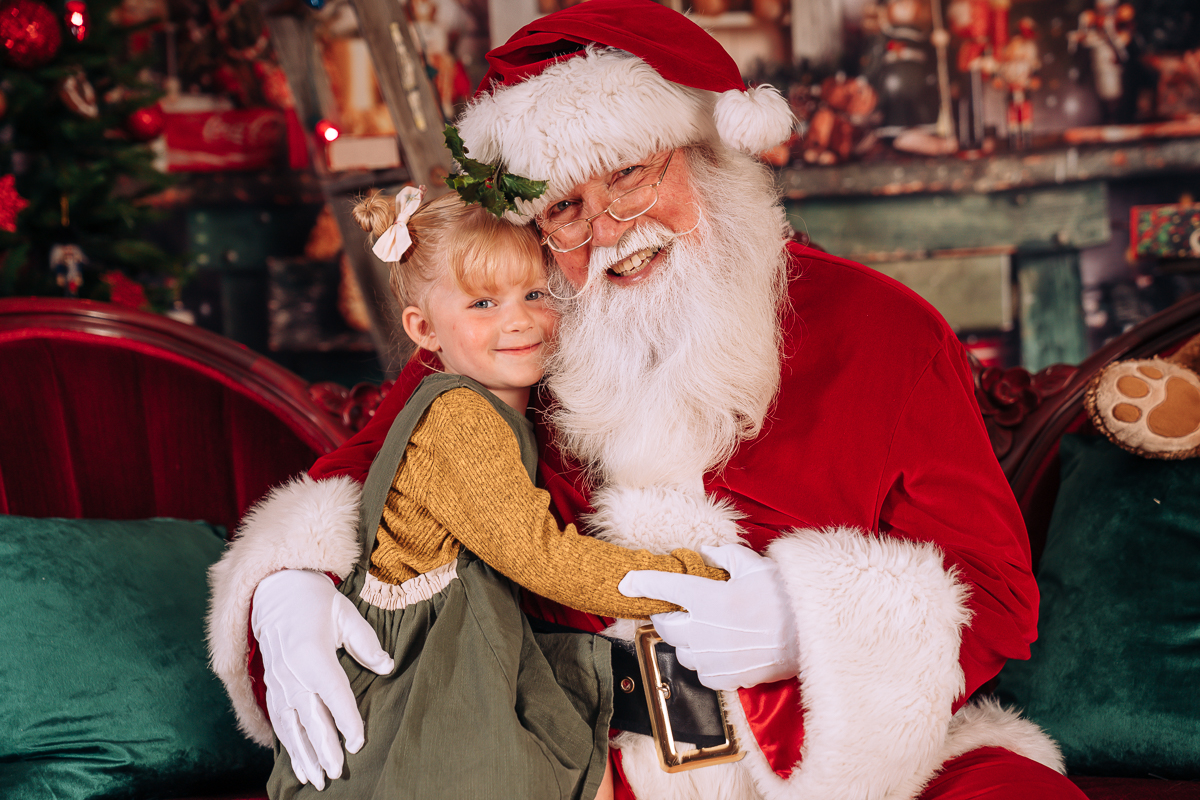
x: 304, y: 524
x: 879, y: 624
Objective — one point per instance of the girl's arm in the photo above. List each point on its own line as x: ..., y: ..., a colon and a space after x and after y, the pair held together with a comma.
x: 463, y: 475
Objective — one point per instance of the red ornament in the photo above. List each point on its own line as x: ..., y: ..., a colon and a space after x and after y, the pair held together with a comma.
x: 29, y: 33
x: 77, y: 19
x: 11, y: 204
x: 123, y: 291
x: 146, y: 123
x: 77, y: 94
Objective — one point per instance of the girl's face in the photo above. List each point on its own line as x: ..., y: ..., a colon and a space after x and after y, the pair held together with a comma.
x: 497, y: 337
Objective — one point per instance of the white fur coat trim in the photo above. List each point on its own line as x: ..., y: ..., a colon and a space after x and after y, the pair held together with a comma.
x: 304, y: 524
x: 879, y: 627
x: 662, y: 519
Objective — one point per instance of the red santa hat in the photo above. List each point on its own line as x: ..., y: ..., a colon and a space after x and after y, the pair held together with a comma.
x: 605, y: 82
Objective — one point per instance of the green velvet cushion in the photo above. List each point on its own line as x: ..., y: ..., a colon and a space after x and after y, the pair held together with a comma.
x: 1115, y: 673
x: 106, y: 686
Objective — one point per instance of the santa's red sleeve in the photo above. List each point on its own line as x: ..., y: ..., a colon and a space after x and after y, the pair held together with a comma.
x: 898, y: 626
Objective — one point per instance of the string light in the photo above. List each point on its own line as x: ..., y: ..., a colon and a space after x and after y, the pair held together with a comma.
x: 327, y: 131
x: 77, y: 19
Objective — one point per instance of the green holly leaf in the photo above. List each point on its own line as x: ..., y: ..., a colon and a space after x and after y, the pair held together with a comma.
x: 492, y: 200
x: 458, y: 151
x: 487, y: 184
x: 525, y: 188
x: 454, y: 143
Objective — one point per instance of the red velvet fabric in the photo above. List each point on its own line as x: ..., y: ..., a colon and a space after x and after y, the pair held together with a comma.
x: 875, y: 426
x: 992, y: 773
x: 96, y: 427
x: 691, y: 57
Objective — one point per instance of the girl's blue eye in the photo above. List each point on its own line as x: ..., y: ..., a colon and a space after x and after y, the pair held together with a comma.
x: 482, y: 304
x: 536, y: 294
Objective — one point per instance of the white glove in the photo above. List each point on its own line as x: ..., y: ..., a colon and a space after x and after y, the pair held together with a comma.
x: 300, y: 620
x: 734, y: 633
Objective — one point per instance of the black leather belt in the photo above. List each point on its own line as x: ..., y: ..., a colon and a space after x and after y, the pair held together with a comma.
x: 679, y: 708
x: 695, y: 709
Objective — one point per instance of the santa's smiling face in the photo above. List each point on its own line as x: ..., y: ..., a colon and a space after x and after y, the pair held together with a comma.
x: 676, y: 209
x: 664, y: 364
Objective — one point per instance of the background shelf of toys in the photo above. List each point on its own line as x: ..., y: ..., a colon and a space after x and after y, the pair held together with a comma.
x: 1027, y: 165
x: 989, y: 153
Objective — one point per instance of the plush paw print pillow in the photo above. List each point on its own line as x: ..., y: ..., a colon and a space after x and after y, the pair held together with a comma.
x: 1150, y: 407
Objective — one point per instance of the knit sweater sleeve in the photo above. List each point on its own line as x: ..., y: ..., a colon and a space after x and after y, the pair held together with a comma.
x: 478, y: 490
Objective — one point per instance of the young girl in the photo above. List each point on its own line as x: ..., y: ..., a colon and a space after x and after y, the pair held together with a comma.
x: 478, y: 706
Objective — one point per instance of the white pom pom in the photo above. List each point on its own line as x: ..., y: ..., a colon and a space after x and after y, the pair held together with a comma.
x: 755, y: 120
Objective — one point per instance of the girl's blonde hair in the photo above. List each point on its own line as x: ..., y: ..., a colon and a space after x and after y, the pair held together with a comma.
x: 453, y: 237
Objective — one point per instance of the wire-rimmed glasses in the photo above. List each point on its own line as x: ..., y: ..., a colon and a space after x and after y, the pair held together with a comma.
x: 576, y: 233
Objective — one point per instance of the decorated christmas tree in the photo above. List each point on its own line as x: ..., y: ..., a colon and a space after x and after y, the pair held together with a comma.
x: 77, y: 113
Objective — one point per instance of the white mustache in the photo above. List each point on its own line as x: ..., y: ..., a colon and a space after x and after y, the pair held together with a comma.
x: 640, y: 237
x: 636, y: 239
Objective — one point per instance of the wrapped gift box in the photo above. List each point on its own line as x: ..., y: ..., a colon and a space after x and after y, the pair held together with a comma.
x: 1165, y: 231
x: 211, y: 141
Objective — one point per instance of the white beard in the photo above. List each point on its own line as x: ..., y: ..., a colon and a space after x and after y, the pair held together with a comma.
x: 657, y: 383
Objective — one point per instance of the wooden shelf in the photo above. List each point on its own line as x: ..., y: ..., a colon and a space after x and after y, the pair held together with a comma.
x: 355, y: 182
x: 993, y: 173
x: 281, y: 187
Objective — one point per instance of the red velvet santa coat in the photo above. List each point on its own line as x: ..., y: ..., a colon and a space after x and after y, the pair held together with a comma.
x: 903, y: 552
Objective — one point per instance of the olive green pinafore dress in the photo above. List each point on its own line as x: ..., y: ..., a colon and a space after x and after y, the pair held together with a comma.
x: 478, y: 706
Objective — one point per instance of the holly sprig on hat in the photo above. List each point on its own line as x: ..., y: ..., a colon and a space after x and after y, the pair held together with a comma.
x: 487, y: 184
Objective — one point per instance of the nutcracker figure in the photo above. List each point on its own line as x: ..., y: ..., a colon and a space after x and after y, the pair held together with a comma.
x: 1017, y: 74
x: 981, y: 26
x: 1107, y: 31
x: 899, y: 65
x: 66, y: 262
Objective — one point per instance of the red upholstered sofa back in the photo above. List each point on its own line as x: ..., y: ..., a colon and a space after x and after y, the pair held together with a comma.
x: 118, y: 414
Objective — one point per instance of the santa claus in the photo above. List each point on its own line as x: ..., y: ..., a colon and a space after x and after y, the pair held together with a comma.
x: 713, y: 384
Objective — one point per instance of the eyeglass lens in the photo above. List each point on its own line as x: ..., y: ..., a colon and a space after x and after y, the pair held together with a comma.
x: 626, y: 207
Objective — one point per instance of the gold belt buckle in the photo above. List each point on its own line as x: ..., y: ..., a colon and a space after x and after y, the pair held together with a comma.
x: 657, y: 692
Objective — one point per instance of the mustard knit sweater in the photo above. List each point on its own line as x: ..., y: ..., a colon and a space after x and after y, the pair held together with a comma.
x: 461, y: 483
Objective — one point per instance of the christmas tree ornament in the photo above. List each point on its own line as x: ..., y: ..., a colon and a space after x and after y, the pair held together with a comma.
x: 228, y: 23
x: 66, y: 262
x: 124, y: 291
x: 66, y: 256
x: 77, y: 94
x: 146, y: 123
x: 77, y: 19
x: 29, y: 33
x: 317, y: 4
x: 11, y: 204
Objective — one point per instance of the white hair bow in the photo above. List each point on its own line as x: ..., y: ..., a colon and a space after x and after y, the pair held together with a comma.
x: 395, y: 241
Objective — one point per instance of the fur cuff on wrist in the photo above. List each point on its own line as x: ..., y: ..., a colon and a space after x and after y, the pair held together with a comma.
x: 304, y: 524
x: 662, y: 519
x: 879, y: 627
